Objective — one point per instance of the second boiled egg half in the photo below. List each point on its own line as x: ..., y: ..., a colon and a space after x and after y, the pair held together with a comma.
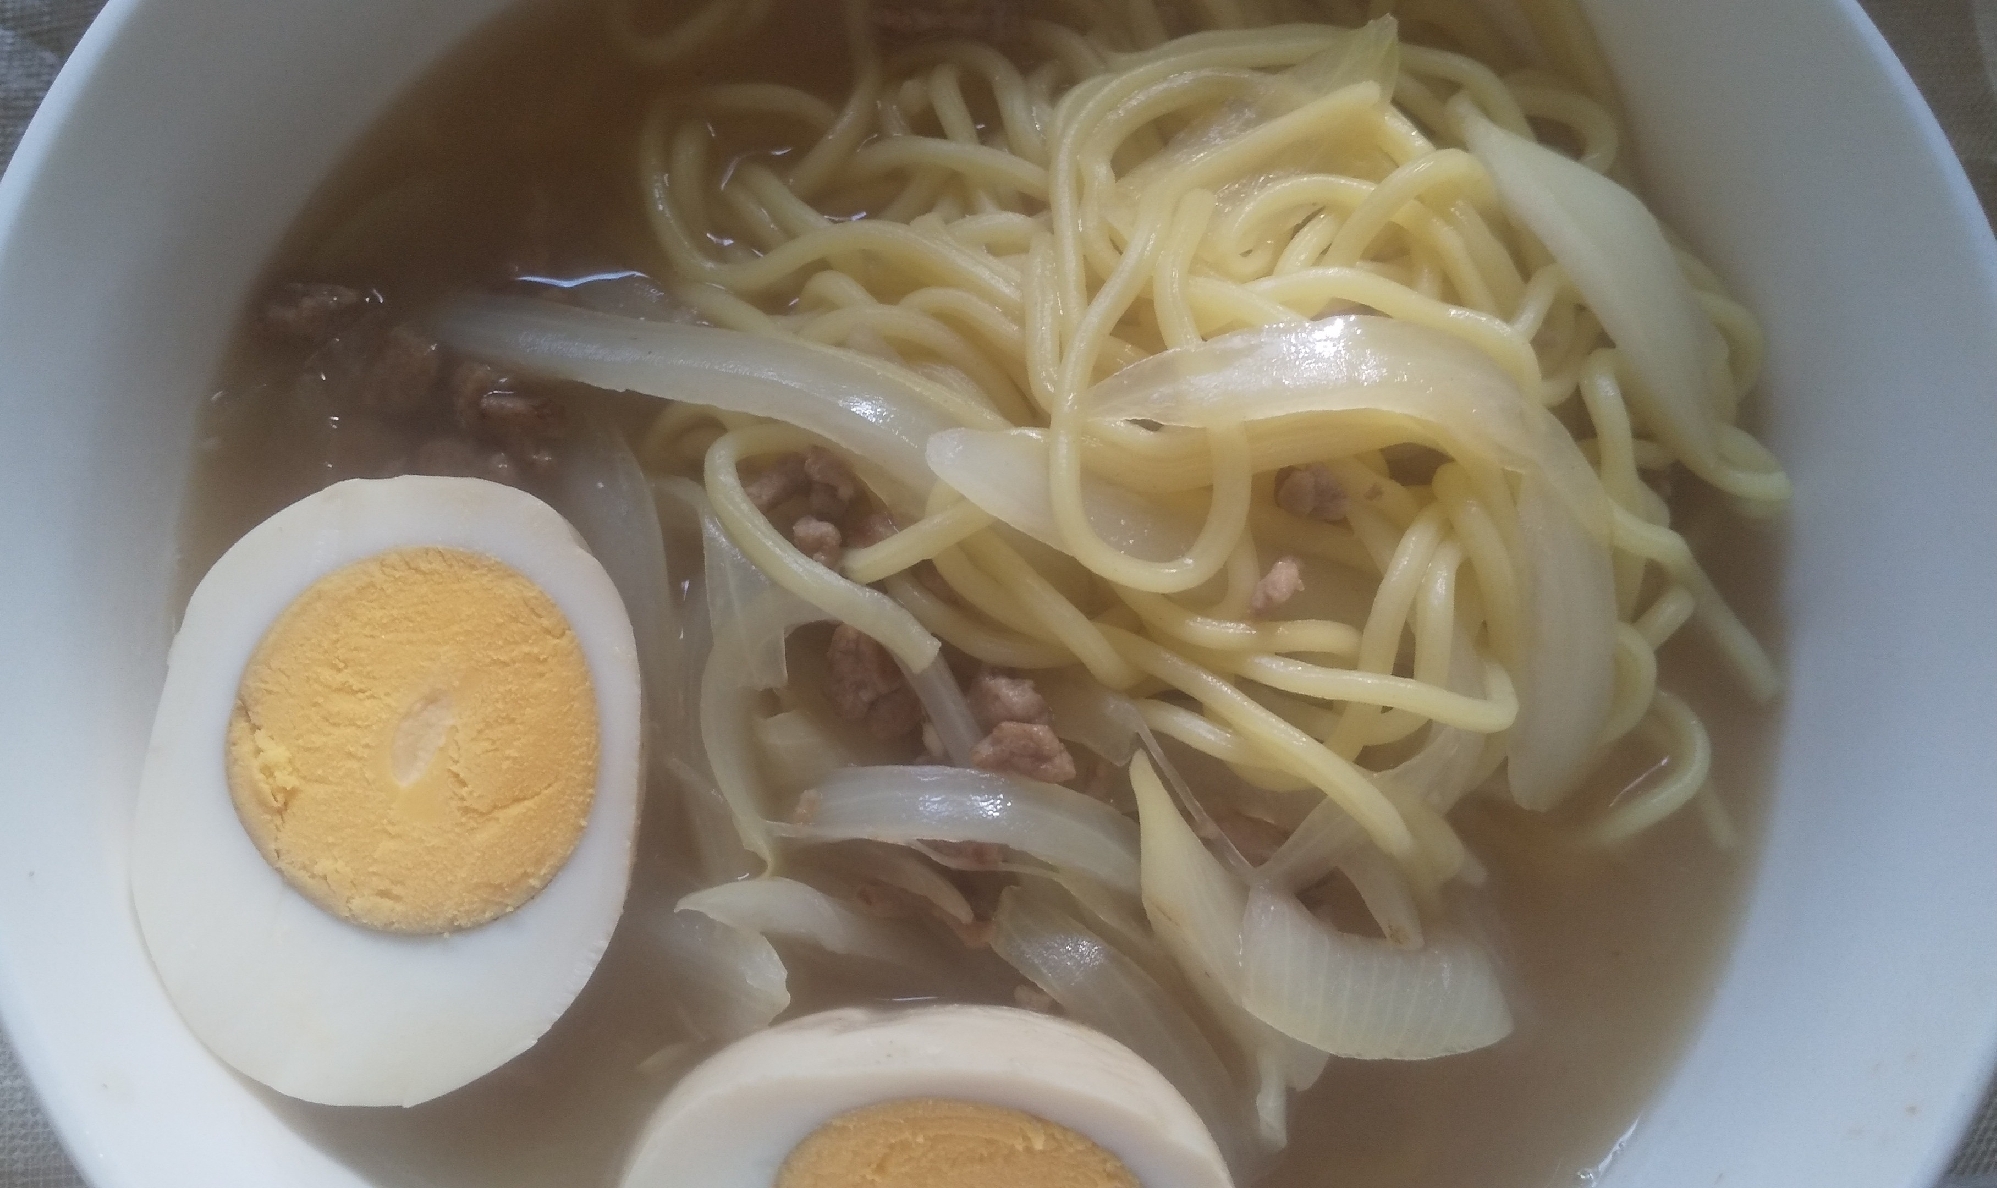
x: 929, y: 1097
x: 386, y: 821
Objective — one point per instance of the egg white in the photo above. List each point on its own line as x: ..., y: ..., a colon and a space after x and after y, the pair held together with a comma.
x: 731, y: 1122
x: 285, y: 992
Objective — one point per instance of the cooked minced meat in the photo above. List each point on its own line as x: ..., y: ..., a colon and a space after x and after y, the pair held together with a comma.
x: 1312, y: 492
x: 1282, y: 583
x: 1030, y: 749
x: 817, y: 540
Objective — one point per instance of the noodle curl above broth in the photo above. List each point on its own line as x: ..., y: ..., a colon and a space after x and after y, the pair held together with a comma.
x: 1129, y: 474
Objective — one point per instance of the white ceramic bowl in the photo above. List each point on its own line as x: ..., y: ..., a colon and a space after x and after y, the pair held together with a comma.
x: 1854, y: 1024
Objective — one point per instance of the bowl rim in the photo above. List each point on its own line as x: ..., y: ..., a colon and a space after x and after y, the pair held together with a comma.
x: 76, y: 1119
x: 1976, y: 1091
x: 66, y: 1114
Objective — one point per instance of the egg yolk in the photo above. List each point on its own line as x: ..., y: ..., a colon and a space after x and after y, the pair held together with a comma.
x: 941, y: 1143
x: 414, y: 742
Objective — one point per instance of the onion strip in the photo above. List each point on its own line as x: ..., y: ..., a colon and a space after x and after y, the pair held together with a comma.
x: 1056, y: 825
x: 1360, y: 997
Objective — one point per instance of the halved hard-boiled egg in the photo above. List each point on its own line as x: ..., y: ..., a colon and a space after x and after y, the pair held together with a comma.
x: 386, y: 822
x: 932, y: 1097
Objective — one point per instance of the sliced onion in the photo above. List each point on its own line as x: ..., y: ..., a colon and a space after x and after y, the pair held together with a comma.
x: 798, y: 751
x: 603, y: 493
x: 1203, y: 823
x: 1100, y: 986
x: 1313, y: 849
x: 1087, y: 712
x: 790, y: 910
x: 1567, y: 671
x: 728, y: 710
x: 1616, y: 253
x: 1005, y: 473
x: 1474, y: 412
x: 1442, y: 770
x: 1328, y: 835
x: 719, y: 847
x: 630, y: 295
x: 726, y: 982
x: 678, y: 714
x: 1439, y: 773
x: 1060, y: 827
x: 1370, y: 53
x: 1194, y: 904
x: 1452, y: 393
x: 720, y: 850
x: 910, y: 872
x: 709, y: 714
x: 956, y: 726
x: 1117, y: 917
x: 747, y: 613
x: 865, y: 407
x: 1195, y: 907
x: 1361, y: 997
x: 755, y: 617
x: 1382, y: 885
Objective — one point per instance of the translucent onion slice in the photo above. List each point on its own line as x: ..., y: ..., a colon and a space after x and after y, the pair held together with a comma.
x: 1616, y: 253
x: 949, y: 712
x: 679, y: 716
x: 726, y: 982
x: 750, y: 617
x: 603, y: 493
x: 1467, y: 407
x: 1451, y: 394
x: 747, y: 613
x: 863, y: 406
x: 1194, y: 904
x: 912, y: 873
x: 720, y: 851
x: 1047, y: 942
x: 1313, y: 849
x: 1389, y: 898
x: 1361, y: 997
x: 1440, y: 772
x: 790, y: 910
x: 1087, y: 712
x: 718, y: 842
x: 1370, y: 53
x: 798, y: 750
x: 727, y: 712
x: 1118, y: 918
x: 1060, y: 827
x: 1196, y: 907
x: 1005, y: 473
x: 1567, y: 671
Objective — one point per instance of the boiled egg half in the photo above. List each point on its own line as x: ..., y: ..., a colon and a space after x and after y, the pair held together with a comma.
x: 386, y: 821
x: 930, y: 1097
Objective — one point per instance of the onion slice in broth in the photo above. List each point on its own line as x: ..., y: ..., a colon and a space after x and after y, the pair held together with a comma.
x: 1361, y: 997
x: 868, y: 408
x: 1447, y: 393
x: 1055, y: 825
x: 790, y: 910
x: 1046, y: 941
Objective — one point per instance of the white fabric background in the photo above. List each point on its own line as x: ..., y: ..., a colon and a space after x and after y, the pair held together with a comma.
x: 1950, y: 46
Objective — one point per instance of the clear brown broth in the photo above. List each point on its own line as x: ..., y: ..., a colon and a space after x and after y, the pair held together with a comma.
x: 526, y: 135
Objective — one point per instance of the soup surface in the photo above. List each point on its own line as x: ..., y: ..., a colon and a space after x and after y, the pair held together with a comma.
x: 511, y: 167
